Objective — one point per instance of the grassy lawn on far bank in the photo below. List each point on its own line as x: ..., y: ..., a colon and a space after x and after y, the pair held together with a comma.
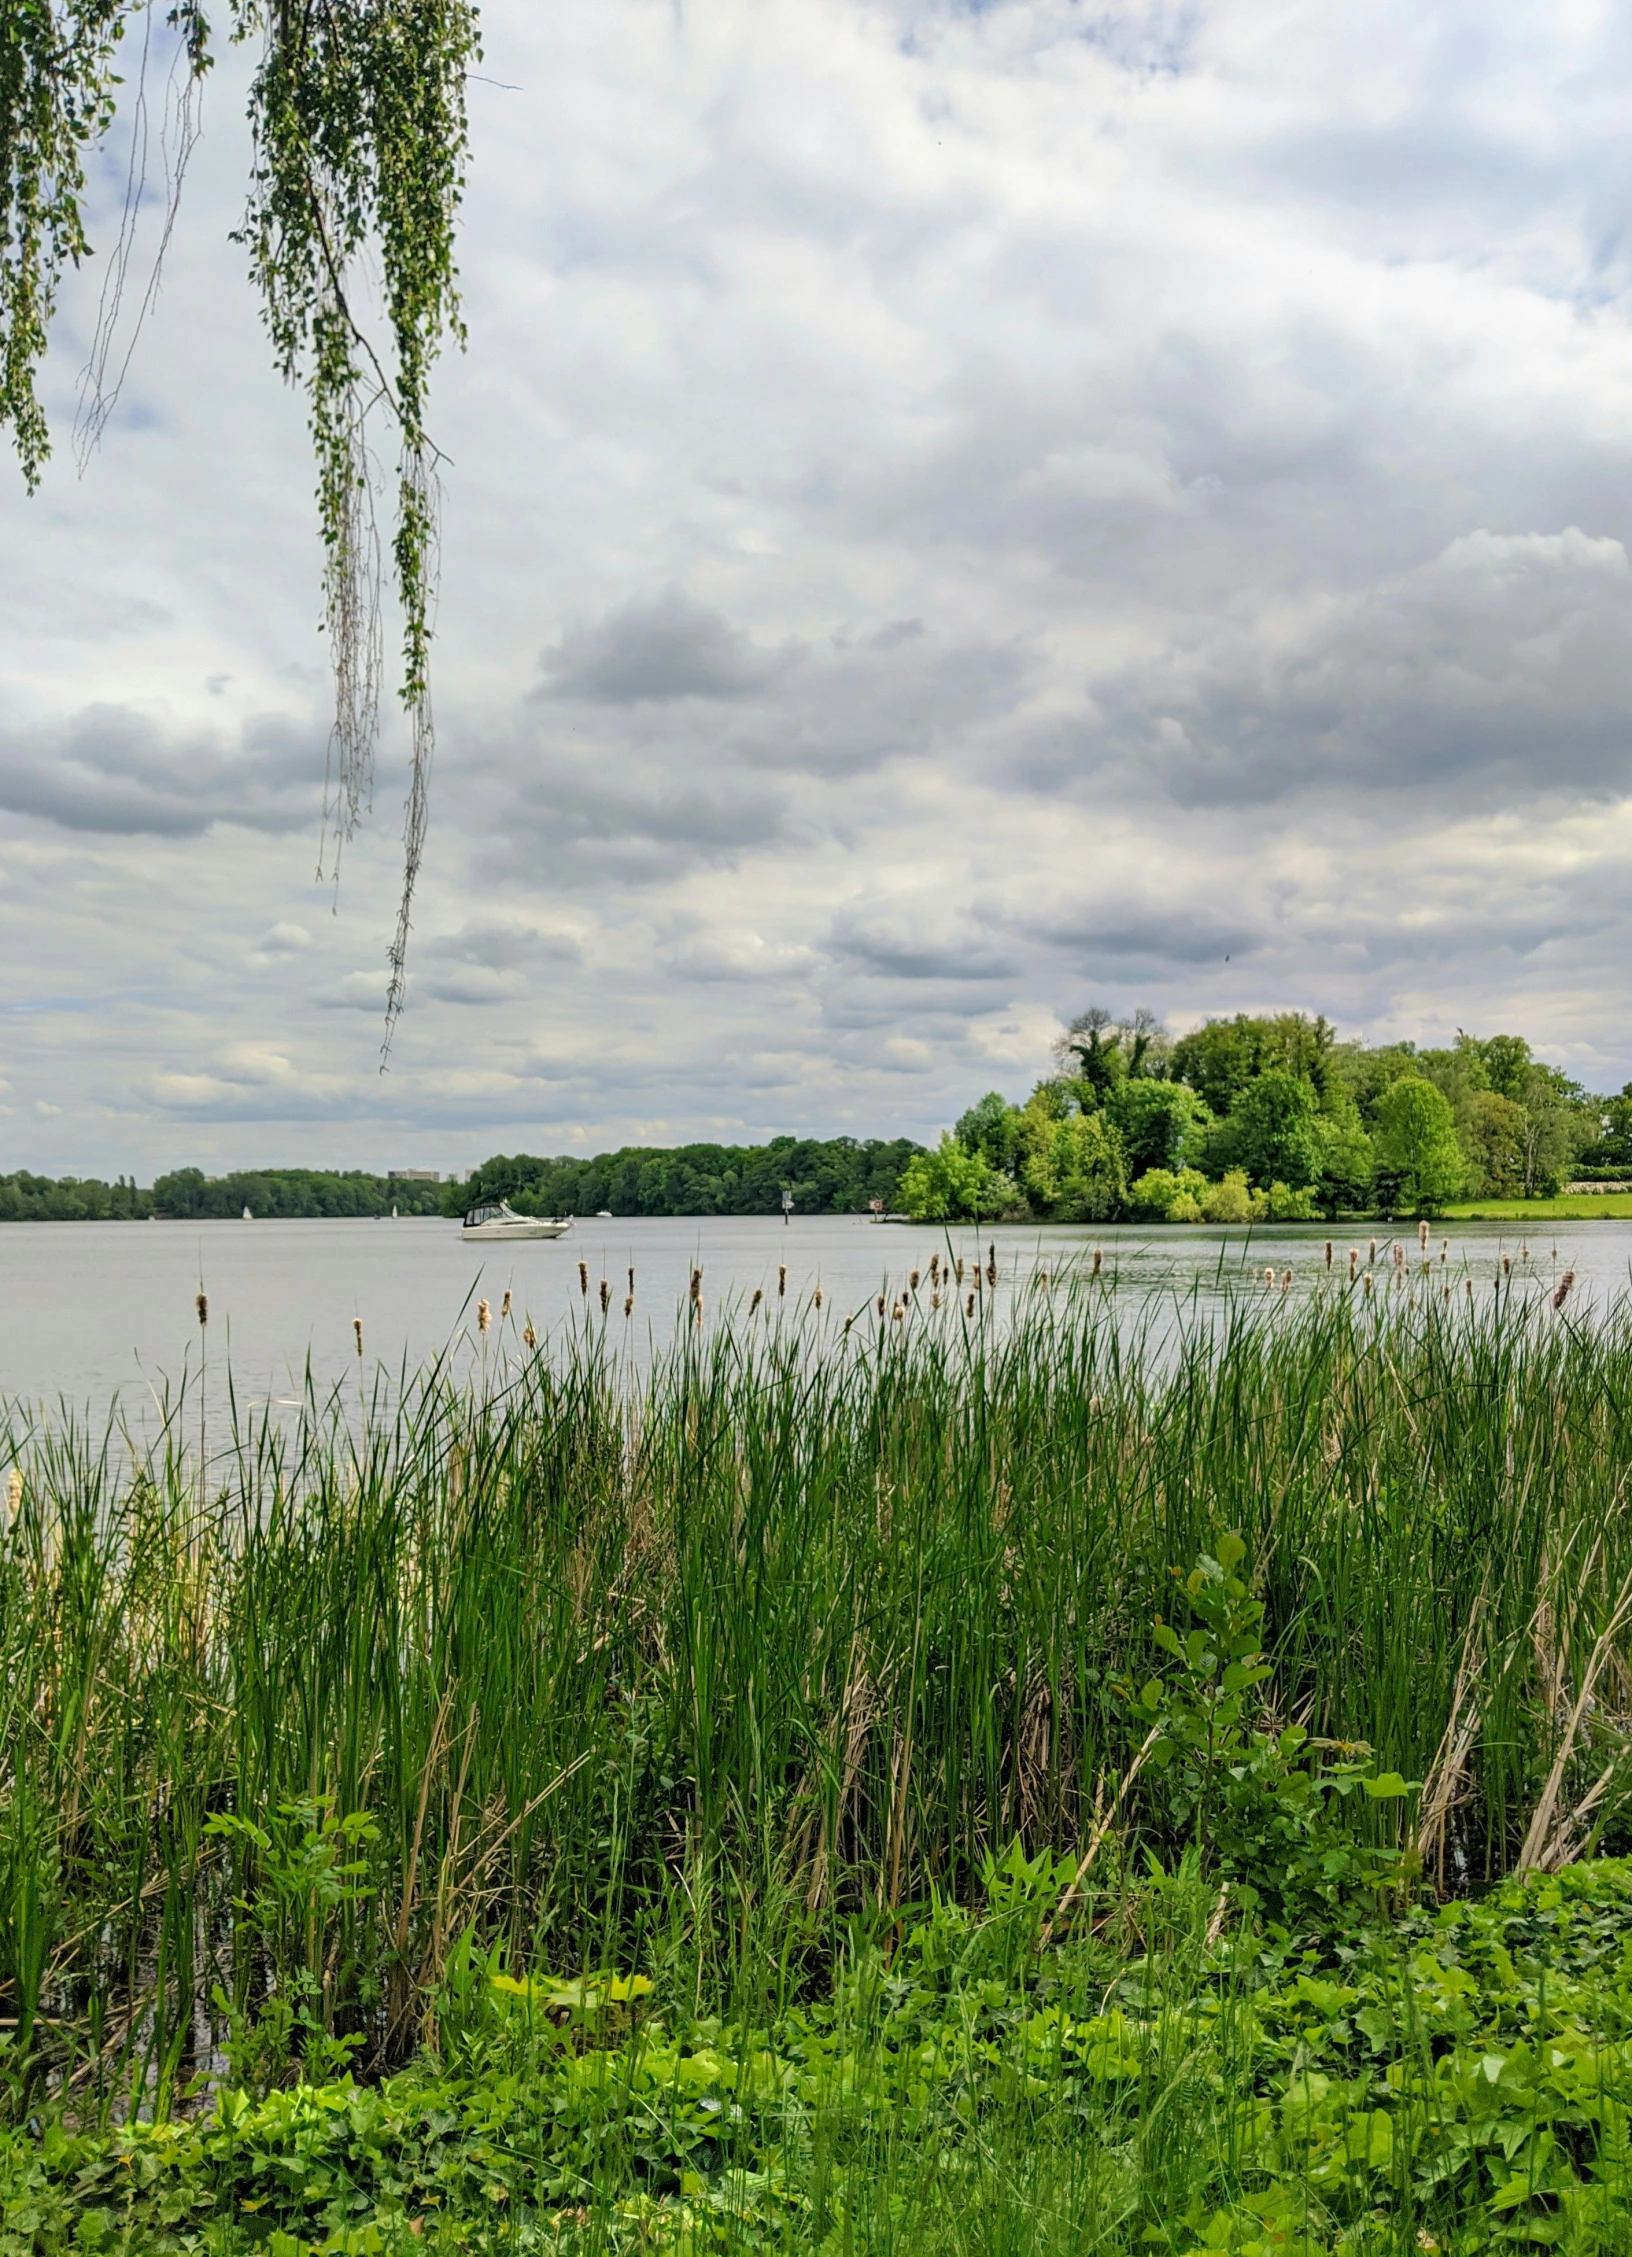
x: 1581, y: 1207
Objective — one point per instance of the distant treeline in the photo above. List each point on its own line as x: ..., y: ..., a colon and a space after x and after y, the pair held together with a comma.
x: 835, y: 1175
x: 189, y: 1195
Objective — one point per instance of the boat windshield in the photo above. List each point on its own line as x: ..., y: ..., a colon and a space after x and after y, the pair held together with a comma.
x: 495, y: 1211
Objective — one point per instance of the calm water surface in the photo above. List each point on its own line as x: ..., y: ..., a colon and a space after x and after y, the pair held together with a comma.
x: 97, y: 1313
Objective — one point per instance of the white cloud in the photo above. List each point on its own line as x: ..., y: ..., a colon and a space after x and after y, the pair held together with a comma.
x: 954, y: 511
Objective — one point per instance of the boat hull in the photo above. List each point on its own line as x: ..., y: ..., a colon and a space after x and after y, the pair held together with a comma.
x: 528, y: 1226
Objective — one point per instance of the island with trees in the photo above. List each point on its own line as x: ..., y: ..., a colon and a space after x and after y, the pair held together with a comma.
x: 1269, y: 1119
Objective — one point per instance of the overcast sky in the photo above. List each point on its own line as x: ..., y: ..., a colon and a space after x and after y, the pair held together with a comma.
x: 954, y: 513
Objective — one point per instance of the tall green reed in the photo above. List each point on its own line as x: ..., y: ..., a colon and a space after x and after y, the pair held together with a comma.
x: 700, y: 1662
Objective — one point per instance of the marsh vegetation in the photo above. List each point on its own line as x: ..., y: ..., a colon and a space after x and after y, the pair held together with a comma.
x: 913, y: 1783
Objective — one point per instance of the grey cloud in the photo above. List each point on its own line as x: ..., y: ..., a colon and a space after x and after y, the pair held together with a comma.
x: 671, y: 647
x: 597, y: 813
x: 1504, y: 662
x: 111, y: 770
x: 1177, y: 932
x: 503, y: 946
x: 916, y: 940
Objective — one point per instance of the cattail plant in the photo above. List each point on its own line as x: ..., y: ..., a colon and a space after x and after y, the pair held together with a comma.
x: 1328, y: 1253
x: 484, y: 1317
x: 881, y: 1304
x: 782, y: 1281
x: 1286, y: 1281
x: 1371, y: 1258
x: 960, y: 1269
x: 14, y: 1493
x: 529, y: 1337
x: 755, y: 1299
x: 357, y: 1328
x: 1099, y: 1257
x: 1565, y: 1287
x: 969, y: 1308
x: 504, y: 1305
x: 202, y: 1304
x: 817, y: 1297
x: 1368, y: 1284
x: 583, y: 1279
x: 912, y: 1282
x: 991, y: 1265
x: 631, y: 1278
x: 628, y: 1305
x: 898, y: 1312
x: 1354, y: 1263
x: 1422, y: 1236
x: 606, y: 1296
x: 1269, y: 1279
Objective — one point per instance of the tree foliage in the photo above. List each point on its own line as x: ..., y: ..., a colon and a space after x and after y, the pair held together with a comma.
x: 357, y: 112
x: 1275, y: 1119
x: 835, y: 1175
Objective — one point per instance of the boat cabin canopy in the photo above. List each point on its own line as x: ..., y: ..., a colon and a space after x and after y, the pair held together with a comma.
x: 495, y: 1210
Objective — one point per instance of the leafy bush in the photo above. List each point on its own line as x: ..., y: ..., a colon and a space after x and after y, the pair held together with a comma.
x: 1163, y: 1196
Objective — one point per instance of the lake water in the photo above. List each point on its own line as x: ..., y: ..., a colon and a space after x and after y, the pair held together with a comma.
x: 94, y: 1312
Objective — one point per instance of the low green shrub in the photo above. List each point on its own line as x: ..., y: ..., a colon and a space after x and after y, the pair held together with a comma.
x: 1459, y: 2080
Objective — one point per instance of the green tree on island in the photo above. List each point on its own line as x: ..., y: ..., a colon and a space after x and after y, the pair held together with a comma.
x: 1417, y: 1146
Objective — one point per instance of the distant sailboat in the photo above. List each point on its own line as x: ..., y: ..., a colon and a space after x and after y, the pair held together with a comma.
x: 248, y: 1217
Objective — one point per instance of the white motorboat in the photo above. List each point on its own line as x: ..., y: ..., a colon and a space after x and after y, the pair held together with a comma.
x: 497, y: 1219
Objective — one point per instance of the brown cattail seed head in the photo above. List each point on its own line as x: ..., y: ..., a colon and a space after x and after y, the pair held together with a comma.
x: 898, y: 1312
x: 1354, y: 1262
x: 970, y: 1307
x: 606, y: 1296
x: 912, y: 1282
x: 818, y: 1296
x: 1098, y: 1258
x: 1507, y: 1265
x: 781, y: 1280
x: 759, y: 1296
x: 628, y: 1304
x: 357, y: 1327
x: 1565, y: 1286
x: 881, y: 1304
x: 1372, y: 1256
x: 504, y: 1305
x: 1286, y: 1280
x: 848, y: 1322
x: 1399, y: 1255
x: 202, y: 1304
x: 960, y: 1269
x: 1422, y: 1236
x: 530, y: 1337
x: 1328, y: 1253
x: 631, y: 1278
x: 583, y: 1279
x: 1368, y: 1284
x: 484, y: 1316
x: 934, y: 1300
x: 1269, y: 1277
